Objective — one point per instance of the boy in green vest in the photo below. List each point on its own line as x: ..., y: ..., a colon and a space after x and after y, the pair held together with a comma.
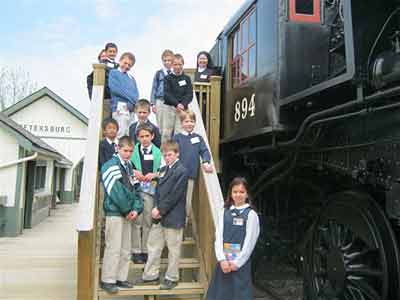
x: 146, y: 161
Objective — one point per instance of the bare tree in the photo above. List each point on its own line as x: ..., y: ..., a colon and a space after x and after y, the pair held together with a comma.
x: 15, y: 84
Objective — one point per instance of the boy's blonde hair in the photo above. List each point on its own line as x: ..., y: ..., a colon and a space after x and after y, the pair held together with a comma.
x: 128, y: 55
x: 170, y: 146
x: 166, y: 53
x: 187, y: 114
x: 143, y: 103
x: 125, y: 141
x: 180, y: 57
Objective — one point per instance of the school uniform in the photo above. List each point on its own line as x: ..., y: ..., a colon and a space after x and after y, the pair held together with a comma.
x: 107, y: 149
x: 178, y: 89
x: 170, y: 199
x: 203, y: 74
x: 145, y: 160
x: 236, y: 236
x: 191, y: 148
x: 124, y: 95
x: 121, y: 198
x: 157, y: 99
x: 157, y: 135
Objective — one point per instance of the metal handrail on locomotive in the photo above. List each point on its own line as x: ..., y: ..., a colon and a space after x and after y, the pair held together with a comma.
x: 310, y: 113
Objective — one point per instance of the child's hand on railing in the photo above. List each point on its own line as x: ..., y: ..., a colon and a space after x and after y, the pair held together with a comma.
x: 208, y: 168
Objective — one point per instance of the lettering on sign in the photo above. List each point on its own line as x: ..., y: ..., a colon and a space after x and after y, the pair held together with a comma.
x: 50, y: 129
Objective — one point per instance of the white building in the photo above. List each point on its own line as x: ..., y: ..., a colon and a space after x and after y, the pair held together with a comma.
x: 30, y: 175
x: 57, y: 123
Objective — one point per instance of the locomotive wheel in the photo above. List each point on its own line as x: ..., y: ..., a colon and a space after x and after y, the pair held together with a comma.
x: 353, y: 253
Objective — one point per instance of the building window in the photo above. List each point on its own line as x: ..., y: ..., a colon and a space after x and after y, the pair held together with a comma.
x: 308, y: 11
x: 40, y: 176
x: 244, y: 50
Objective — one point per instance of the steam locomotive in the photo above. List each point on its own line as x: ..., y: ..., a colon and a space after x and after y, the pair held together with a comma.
x: 311, y: 114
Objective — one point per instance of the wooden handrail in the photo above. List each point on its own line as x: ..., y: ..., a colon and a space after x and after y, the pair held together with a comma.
x: 88, y: 220
x: 209, y: 99
x: 207, y: 202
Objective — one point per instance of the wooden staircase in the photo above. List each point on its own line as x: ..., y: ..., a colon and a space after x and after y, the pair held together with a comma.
x: 198, y: 259
x: 189, y: 286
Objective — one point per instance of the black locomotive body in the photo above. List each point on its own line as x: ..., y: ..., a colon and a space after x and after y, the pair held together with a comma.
x: 311, y: 114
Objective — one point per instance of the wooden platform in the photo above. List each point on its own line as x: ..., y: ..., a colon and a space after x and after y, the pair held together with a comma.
x: 184, y: 288
x: 185, y: 263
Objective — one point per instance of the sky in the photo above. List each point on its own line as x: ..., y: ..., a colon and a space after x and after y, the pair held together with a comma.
x: 57, y: 41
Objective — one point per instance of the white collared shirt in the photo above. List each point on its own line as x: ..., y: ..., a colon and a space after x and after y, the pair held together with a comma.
x: 184, y: 132
x: 165, y: 71
x: 170, y: 166
x: 200, y: 70
x: 115, y: 141
x: 252, y: 233
x: 148, y: 149
x: 123, y: 162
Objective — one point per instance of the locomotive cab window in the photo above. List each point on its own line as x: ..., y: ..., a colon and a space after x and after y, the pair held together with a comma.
x: 308, y: 11
x: 243, y: 66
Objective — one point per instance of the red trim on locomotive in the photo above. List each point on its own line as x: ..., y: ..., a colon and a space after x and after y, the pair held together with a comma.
x: 307, y: 18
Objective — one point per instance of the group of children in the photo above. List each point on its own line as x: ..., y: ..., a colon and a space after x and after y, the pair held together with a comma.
x: 148, y: 175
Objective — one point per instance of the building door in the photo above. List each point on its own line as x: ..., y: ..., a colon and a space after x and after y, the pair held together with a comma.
x: 29, y: 191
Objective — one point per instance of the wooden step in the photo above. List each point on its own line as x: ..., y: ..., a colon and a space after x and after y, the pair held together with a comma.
x: 185, y: 263
x: 184, y: 288
x: 189, y: 242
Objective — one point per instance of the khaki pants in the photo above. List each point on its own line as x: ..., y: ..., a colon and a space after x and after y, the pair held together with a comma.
x: 124, y: 121
x: 189, y: 196
x: 117, y: 252
x: 107, y: 109
x: 141, y: 227
x: 168, y: 120
x: 158, y: 237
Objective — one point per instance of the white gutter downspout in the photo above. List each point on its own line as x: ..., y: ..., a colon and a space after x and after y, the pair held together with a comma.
x: 16, y: 162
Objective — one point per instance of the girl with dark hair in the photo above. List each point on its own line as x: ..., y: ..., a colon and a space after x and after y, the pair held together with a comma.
x: 236, y: 236
x: 205, y: 67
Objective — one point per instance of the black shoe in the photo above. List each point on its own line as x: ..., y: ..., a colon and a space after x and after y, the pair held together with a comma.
x: 124, y: 284
x: 141, y: 281
x: 144, y: 257
x: 137, y: 258
x: 110, y: 288
x: 168, y: 284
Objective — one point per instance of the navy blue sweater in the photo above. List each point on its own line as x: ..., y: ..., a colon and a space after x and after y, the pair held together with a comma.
x: 157, y: 135
x: 191, y: 148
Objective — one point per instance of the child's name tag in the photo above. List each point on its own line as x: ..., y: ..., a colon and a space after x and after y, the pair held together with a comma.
x: 182, y: 83
x: 110, y: 65
x: 203, y: 76
x: 238, y: 221
x: 148, y: 157
x: 122, y: 108
x: 195, y: 140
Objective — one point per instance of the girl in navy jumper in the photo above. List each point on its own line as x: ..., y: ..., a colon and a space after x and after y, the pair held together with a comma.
x: 236, y: 236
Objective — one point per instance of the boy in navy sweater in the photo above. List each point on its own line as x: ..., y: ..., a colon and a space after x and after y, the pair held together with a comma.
x: 109, y: 145
x: 142, y: 110
x: 178, y: 93
x: 124, y: 93
x: 191, y: 148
